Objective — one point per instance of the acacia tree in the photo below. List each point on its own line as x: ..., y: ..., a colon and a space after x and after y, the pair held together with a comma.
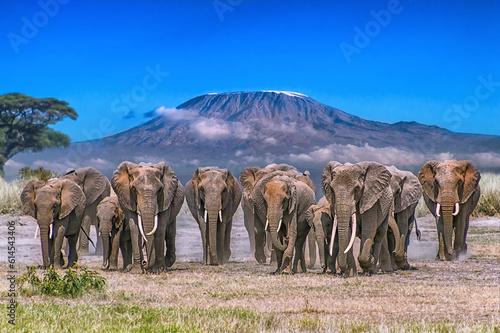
x: 24, y: 124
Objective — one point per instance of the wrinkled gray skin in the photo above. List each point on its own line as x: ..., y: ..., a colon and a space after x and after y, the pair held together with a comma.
x: 213, y: 190
x: 451, y: 185
x: 284, y: 198
x: 96, y: 187
x: 361, y: 189
x: 114, y: 232
x: 251, y: 177
x: 60, y: 204
x: 147, y: 192
x: 406, y: 192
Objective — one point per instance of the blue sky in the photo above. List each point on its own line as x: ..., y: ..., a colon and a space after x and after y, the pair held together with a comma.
x: 435, y: 62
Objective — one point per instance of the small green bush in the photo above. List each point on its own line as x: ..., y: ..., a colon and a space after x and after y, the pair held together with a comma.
x: 41, y: 174
x: 71, y: 285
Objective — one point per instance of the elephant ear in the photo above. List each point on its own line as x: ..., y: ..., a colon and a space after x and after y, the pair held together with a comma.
x: 257, y: 195
x: 170, y: 185
x: 326, y: 179
x: 426, y: 177
x: 292, y: 202
x: 310, y: 215
x: 377, y: 179
x: 471, y: 181
x: 233, y: 190
x: 95, y: 184
x: 248, y: 179
x: 28, y: 197
x: 121, y: 181
x: 411, y: 192
x: 195, y: 182
x: 72, y: 198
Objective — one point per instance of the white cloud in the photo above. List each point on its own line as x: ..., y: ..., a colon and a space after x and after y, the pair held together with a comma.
x: 485, y: 159
x: 271, y: 141
x: 13, y: 164
x: 176, y: 114
x: 100, y: 163
x: 214, y: 129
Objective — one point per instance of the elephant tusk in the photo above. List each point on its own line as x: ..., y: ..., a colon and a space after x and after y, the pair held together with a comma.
x: 139, y: 218
x: 438, y: 209
x: 110, y: 234
x: 267, y: 225
x: 279, y: 225
x: 154, y: 227
x: 220, y: 215
x: 36, y: 231
x: 206, y: 216
x: 456, y: 210
x: 353, y: 233
x: 334, y: 230
x: 51, y: 228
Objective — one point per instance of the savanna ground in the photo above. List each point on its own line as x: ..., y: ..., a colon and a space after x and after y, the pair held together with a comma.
x: 243, y: 296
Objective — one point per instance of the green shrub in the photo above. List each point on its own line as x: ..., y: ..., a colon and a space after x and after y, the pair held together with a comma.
x: 71, y: 285
x: 41, y: 174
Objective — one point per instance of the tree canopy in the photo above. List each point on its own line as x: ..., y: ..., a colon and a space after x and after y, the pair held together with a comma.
x: 24, y: 124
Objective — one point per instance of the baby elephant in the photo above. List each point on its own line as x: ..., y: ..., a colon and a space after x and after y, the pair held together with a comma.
x: 114, y: 232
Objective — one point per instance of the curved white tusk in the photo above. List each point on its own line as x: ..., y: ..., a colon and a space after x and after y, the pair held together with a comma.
x: 154, y: 227
x: 36, y: 231
x: 353, y: 233
x: 279, y: 225
x: 267, y: 225
x: 220, y: 215
x: 110, y: 234
x: 334, y: 230
x: 51, y: 228
x: 457, y: 209
x: 438, y: 209
x: 139, y: 222
x: 206, y: 216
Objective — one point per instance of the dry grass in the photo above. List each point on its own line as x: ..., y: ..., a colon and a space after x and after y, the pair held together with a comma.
x: 10, y: 193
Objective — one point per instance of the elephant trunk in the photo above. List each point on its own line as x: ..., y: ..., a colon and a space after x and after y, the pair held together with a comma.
x: 213, y: 215
x: 44, y: 239
x: 320, y: 237
x: 400, y: 240
x: 344, y: 232
x: 448, y: 202
x: 147, y: 224
x: 275, y: 220
x: 105, y: 249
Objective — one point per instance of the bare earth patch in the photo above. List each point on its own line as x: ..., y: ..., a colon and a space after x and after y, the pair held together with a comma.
x: 462, y: 295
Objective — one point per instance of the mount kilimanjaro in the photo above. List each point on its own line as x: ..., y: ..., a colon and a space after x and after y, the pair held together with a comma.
x: 240, y: 129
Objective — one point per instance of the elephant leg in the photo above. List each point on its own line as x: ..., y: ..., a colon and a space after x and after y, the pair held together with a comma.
x: 73, y: 252
x: 461, y: 227
x: 170, y: 257
x: 98, y: 245
x: 385, y: 257
x: 260, y: 240
x: 159, y: 249
x: 227, y: 241
x: 221, y: 237
x: 351, y: 264
x: 279, y: 259
x: 126, y: 253
x: 59, y: 232
x: 84, y: 241
x: 136, y: 241
x: 332, y: 260
x: 203, y: 231
x: 311, y: 242
x: 249, y: 225
x: 441, y: 251
x: 299, y: 254
x: 115, y: 245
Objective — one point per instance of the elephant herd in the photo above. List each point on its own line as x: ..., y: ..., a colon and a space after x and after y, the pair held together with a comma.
x: 366, y: 200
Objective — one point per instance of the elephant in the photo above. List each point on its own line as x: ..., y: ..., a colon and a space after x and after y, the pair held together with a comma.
x: 451, y: 192
x: 151, y: 197
x: 114, y: 231
x: 58, y: 208
x: 282, y: 202
x: 358, y: 193
x: 96, y: 187
x: 249, y: 178
x: 406, y: 190
x: 213, y: 196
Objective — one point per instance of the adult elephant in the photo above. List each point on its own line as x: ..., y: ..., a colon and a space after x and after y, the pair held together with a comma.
x: 319, y: 217
x: 406, y: 192
x: 96, y: 187
x: 58, y: 208
x: 151, y: 197
x: 249, y: 179
x: 114, y: 231
x: 282, y: 201
x: 358, y: 193
x: 213, y: 196
x: 451, y: 192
